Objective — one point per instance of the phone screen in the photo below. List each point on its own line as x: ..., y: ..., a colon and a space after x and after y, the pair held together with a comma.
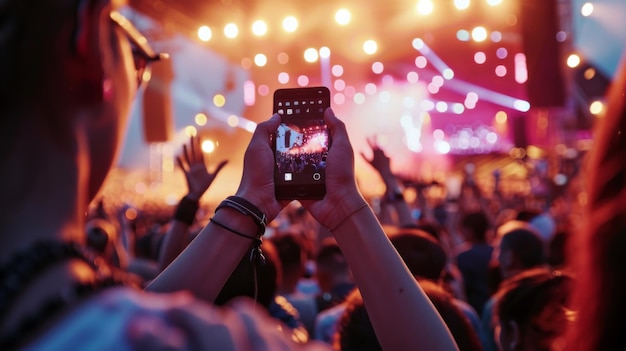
x: 301, y: 143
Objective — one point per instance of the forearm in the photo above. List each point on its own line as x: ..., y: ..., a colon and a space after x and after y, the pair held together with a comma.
x: 389, y: 290
x: 173, y: 244
x: 209, y: 260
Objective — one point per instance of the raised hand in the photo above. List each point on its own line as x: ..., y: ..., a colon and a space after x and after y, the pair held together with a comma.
x: 379, y: 160
x: 192, y: 162
x: 342, y: 194
x: 257, y: 181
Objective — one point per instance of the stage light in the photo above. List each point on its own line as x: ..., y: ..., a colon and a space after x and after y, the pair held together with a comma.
x: 495, y: 36
x: 191, y: 131
x: 521, y: 70
x: 501, y: 117
x: 573, y: 61
x: 260, y: 60
x: 283, y: 58
x: 290, y: 24
x: 463, y: 35
x: 420, y: 62
x: 208, y: 146
x: 412, y: 77
x: 371, y: 88
x: 502, y: 53
x: 596, y: 107
x: 259, y: 28
x: 339, y: 99
x: 480, y: 57
x: 303, y: 80
x: 501, y: 71
x: 283, y: 77
x: 479, y: 34
x: 231, y: 31
x: 324, y: 52
x: 359, y: 98
x: 232, y: 121
x: 337, y: 70
x: 461, y: 4
x: 494, y: 2
x: 370, y: 47
x: 342, y: 17
x: 339, y: 84
x: 311, y: 55
x: 587, y: 9
x: 448, y: 73
x: 377, y: 67
x: 200, y: 119
x: 219, y: 100
x: 425, y: 7
x: 204, y: 33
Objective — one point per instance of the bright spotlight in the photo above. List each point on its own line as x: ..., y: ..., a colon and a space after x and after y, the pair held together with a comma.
x: 343, y: 17
x: 587, y: 9
x: 259, y: 28
x: 370, y: 47
x: 290, y: 24
x: 311, y: 55
x: 204, y: 33
x: 231, y: 31
x: 479, y: 34
x: 425, y: 7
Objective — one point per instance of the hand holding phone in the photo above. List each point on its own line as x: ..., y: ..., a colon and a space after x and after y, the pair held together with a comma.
x: 301, y: 143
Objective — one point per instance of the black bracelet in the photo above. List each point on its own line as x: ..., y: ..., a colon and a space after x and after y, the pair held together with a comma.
x: 243, y: 206
x: 256, y: 255
x: 186, y: 210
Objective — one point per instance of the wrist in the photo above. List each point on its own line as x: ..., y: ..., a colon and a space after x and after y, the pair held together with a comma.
x: 186, y: 210
x: 193, y: 197
x: 246, y: 208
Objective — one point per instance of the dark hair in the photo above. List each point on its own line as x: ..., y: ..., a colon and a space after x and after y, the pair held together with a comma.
x: 421, y: 252
x: 477, y: 224
x: 290, y: 249
x: 526, y: 245
x: 242, y: 281
x: 355, y: 331
x: 354, y: 328
x: 538, y: 301
x: 330, y: 258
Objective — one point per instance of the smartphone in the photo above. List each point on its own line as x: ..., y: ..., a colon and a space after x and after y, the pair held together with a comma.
x: 301, y: 143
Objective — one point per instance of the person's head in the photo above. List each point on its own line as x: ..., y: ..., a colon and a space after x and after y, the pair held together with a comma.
x: 420, y: 251
x: 474, y: 225
x: 519, y: 248
x: 68, y: 66
x: 331, y: 267
x: 252, y: 278
x: 355, y: 332
x: 290, y: 249
x: 533, y: 310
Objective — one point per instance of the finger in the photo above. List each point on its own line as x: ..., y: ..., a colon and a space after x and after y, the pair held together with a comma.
x: 192, y: 146
x: 365, y: 157
x: 220, y: 166
x: 199, y: 153
x: 180, y: 164
x: 264, y: 130
x: 186, y: 154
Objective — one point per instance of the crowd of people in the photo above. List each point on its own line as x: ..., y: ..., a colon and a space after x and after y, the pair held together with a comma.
x: 490, y: 273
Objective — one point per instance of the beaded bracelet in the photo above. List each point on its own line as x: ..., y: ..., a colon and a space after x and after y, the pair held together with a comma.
x: 243, y: 206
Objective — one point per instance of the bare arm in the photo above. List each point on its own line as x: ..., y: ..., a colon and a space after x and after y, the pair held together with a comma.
x: 199, y: 179
x: 393, y: 201
x: 207, y: 262
x: 402, y: 315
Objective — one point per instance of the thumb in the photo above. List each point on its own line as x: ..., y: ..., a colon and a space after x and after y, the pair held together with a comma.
x: 264, y: 130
